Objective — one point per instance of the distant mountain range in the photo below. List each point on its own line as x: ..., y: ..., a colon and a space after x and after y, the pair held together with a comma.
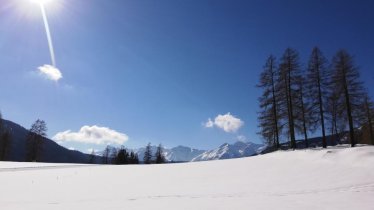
x: 175, y: 154
x: 53, y: 152
x: 228, y: 151
x: 225, y: 151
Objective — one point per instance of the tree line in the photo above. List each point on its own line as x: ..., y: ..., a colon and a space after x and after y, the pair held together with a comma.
x: 327, y: 97
x: 122, y: 156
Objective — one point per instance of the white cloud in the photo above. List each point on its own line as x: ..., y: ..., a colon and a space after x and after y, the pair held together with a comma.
x: 50, y: 72
x: 92, y: 135
x: 209, y: 123
x: 227, y: 122
x: 241, y: 138
x: 71, y: 148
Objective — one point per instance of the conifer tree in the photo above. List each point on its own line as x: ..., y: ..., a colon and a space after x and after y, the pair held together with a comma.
x: 289, y: 73
x: 122, y: 156
x: 345, y: 81
x: 148, y: 154
x: 317, y: 80
x: 268, y: 116
x: 133, y: 158
x: 160, y: 157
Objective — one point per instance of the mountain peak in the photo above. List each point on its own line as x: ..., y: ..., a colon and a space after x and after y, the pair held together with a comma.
x: 226, y: 151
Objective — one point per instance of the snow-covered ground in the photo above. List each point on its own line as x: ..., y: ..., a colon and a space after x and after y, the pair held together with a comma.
x: 334, y: 178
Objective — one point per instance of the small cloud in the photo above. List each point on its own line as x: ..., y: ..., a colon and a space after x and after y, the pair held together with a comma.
x: 209, y: 123
x: 92, y: 135
x: 71, y: 148
x: 50, y: 72
x: 227, y: 122
x: 241, y: 138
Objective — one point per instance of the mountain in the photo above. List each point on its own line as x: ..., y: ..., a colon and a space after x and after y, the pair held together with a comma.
x: 182, y: 154
x: 228, y: 151
x: 51, y: 151
x: 175, y: 154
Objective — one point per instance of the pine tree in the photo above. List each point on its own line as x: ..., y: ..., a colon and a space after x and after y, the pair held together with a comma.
x: 345, y: 81
x: 317, y: 86
x: 35, y: 139
x: 122, y: 156
x: 148, y: 154
x: 268, y: 117
x: 160, y: 157
x: 133, y: 158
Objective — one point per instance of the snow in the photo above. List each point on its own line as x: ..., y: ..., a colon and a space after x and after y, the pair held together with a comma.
x: 333, y: 178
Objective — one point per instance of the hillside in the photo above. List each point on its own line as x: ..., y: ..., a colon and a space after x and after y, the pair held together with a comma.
x: 52, y: 152
x: 334, y: 178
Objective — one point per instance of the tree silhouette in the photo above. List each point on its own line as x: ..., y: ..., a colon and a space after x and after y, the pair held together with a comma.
x: 289, y: 73
x: 317, y: 88
x: 91, y: 158
x: 268, y: 116
x: 160, y: 157
x: 368, y: 117
x: 345, y: 81
x: 106, y: 154
x: 148, y: 154
x: 5, y: 140
x: 35, y: 138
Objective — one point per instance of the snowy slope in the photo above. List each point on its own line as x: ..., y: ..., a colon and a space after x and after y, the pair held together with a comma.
x: 228, y: 151
x: 331, y: 179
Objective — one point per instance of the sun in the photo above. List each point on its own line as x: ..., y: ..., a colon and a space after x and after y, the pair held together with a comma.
x: 41, y: 2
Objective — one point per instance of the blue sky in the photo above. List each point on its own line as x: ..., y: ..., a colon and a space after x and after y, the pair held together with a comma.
x: 156, y: 71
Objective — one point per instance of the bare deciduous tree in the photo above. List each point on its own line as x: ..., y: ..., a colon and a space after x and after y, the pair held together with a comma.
x: 35, y: 139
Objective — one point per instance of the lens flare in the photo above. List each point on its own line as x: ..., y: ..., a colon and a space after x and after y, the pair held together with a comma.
x: 42, y: 2
x: 49, y: 37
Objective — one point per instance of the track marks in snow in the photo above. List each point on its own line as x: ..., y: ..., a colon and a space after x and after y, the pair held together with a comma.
x: 367, y: 187
x: 16, y: 169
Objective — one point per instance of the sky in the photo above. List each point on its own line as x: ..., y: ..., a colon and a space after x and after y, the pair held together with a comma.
x: 175, y: 72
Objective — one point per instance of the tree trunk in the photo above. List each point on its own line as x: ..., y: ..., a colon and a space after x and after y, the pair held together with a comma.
x: 291, y: 118
x: 349, y: 113
x: 275, y: 110
x: 324, y: 142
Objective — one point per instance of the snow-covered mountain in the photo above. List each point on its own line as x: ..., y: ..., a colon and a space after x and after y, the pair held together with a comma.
x: 175, y: 154
x: 227, y: 151
x: 182, y: 153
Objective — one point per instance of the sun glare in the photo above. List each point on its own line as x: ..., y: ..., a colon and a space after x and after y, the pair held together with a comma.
x: 42, y: 2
